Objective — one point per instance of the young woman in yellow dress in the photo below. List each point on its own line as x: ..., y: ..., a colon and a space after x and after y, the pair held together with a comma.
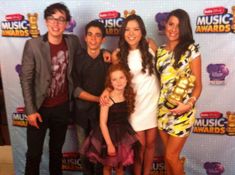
x: 178, y: 58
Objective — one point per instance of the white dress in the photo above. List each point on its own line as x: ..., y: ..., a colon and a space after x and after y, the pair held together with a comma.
x: 147, y: 93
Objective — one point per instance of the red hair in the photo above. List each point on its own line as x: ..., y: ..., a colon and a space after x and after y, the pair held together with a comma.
x: 129, y: 94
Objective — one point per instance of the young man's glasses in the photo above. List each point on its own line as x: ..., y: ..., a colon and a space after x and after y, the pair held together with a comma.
x: 53, y: 20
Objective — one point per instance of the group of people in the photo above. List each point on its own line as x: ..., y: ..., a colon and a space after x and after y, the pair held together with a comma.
x: 120, y: 99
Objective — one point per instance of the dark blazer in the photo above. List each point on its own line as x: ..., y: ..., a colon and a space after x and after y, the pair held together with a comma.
x: 35, y: 76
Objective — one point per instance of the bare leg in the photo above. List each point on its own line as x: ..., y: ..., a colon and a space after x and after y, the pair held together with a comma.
x: 164, y: 137
x: 107, y: 170
x: 138, y: 164
x: 150, y: 138
x: 119, y: 170
x: 172, y: 155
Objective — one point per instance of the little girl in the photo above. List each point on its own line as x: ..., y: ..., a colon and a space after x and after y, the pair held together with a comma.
x: 113, y: 143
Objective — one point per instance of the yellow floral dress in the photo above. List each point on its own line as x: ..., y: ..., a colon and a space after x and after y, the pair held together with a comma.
x: 175, y: 125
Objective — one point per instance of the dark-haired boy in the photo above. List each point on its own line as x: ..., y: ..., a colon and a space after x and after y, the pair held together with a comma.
x: 47, y: 88
x: 89, y: 74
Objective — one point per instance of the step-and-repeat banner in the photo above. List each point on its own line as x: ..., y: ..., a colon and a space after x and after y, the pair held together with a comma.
x: 210, y: 149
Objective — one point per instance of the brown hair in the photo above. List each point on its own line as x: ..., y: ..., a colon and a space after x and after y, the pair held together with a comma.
x: 53, y: 8
x: 147, y: 58
x: 185, y: 32
x: 129, y: 94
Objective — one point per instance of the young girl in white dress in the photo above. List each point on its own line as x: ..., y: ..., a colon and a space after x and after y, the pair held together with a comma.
x: 134, y: 53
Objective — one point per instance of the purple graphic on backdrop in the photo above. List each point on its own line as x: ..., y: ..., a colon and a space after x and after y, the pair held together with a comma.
x: 217, y: 73
x: 160, y: 18
x: 71, y: 25
x: 214, y: 168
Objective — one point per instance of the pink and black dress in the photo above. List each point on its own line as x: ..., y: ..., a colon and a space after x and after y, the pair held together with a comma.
x: 122, y: 135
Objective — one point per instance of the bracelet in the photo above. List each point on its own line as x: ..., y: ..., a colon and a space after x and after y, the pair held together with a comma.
x: 193, y: 98
x: 190, y: 104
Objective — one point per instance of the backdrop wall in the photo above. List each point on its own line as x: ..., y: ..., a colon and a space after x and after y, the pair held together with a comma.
x: 210, y: 148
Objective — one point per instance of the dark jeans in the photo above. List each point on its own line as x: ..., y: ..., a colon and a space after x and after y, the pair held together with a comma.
x: 56, y: 120
x: 88, y: 167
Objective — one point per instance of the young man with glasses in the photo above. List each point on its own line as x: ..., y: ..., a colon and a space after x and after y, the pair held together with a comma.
x: 47, y: 88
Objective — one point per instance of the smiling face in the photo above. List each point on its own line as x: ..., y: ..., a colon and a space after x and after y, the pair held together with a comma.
x: 94, y: 38
x: 118, y: 80
x: 172, y: 29
x: 56, y: 24
x: 133, y: 34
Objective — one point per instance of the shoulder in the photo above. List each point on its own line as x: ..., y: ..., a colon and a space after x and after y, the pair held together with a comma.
x: 194, y: 46
x: 72, y: 37
x: 111, y: 99
x: 34, y: 44
x: 73, y: 42
x: 104, y: 108
x: 35, y: 40
x: 81, y: 57
x: 194, y: 49
x: 161, y: 49
x: 163, y: 46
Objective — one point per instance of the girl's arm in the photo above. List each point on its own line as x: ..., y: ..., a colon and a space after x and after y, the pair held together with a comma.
x: 104, y: 129
x: 196, y: 71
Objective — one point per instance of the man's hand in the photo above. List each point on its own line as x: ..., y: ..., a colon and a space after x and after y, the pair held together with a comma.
x: 152, y: 44
x: 107, y: 56
x: 33, y: 119
x: 104, y: 98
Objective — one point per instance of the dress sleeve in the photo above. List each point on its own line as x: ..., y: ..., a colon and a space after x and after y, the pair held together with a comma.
x: 194, y: 48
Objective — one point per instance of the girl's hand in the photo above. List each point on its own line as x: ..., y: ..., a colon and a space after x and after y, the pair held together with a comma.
x: 104, y: 98
x: 181, y: 108
x: 115, y: 58
x: 111, y: 150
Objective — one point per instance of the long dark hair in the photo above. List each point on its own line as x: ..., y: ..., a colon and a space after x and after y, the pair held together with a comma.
x: 147, y: 58
x: 129, y: 94
x: 185, y: 34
